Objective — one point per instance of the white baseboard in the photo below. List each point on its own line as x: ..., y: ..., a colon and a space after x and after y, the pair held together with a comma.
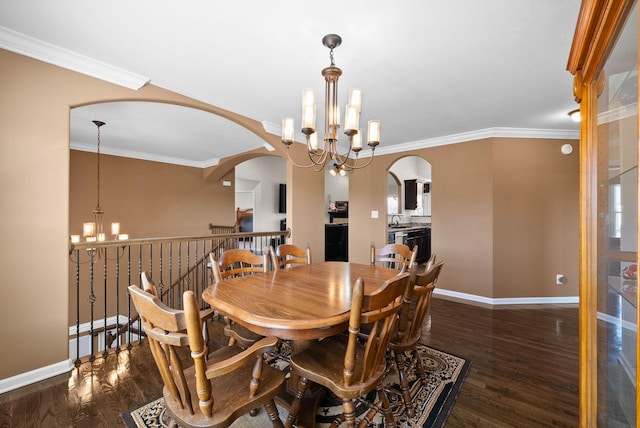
x: 34, y: 376
x: 43, y: 373
x: 508, y: 300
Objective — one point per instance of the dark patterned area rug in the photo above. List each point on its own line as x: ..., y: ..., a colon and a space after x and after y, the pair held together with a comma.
x: 432, y: 404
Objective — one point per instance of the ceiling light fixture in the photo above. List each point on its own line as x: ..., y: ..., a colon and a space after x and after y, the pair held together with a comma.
x: 338, y: 170
x: 320, y: 156
x: 575, y: 115
x: 94, y: 231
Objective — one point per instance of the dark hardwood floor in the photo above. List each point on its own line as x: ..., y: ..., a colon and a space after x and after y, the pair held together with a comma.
x: 524, y: 373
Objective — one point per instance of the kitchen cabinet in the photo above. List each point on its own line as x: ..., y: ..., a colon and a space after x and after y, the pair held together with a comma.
x: 605, y: 65
x: 336, y: 242
x: 412, y: 236
x: 422, y: 238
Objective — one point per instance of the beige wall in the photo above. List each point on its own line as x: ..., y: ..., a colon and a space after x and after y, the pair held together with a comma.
x: 535, y: 218
x: 34, y: 195
x: 147, y: 197
x: 480, y: 215
x: 504, y: 215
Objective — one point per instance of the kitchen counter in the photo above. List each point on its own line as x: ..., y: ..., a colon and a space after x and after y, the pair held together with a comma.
x: 408, y: 226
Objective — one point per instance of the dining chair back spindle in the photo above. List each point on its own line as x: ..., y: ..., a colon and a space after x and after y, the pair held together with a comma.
x: 237, y: 262
x: 213, y: 391
x: 397, y: 256
x: 289, y: 255
x: 232, y: 263
x: 150, y: 287
x: 412, y: 315
x: 430, y: 262
x: 345, y: 365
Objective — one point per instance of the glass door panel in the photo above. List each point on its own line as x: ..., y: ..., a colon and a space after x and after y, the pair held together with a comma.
x: 617, y: 202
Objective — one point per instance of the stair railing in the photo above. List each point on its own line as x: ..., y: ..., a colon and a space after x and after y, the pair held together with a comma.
x: 100, y: 273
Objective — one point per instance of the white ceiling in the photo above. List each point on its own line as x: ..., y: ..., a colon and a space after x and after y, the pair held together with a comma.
x: 433, y: 71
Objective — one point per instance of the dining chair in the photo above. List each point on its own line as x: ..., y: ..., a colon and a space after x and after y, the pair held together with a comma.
x: 232, y: 263
x: 348, y: 367
x: 430, y: 262
x: 150, y: 287
x: 397, y: 256
x: 409, y: 330
x: 289, y: 255
x: 212, y: 392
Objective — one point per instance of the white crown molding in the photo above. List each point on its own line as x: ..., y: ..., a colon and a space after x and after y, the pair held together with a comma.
x: 46, y: 52
x: 398, y: 148
x: 144, y: 156
x: 562, y: 134
x: 481, y: 134
x: 507, y: 301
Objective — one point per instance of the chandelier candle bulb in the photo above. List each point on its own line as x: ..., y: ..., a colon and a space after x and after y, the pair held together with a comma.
x: 351, y: 120
x: 88, y: 229
x: 75, y: 239
x: 355, y: 99
x: 115, y: 229
x: 101, y: 237
x: 123, y: 237
x: 308, y: 98
x: 287, y: 130
x: 356, y: 141
x: 313, y: 142
x: 308, y: 118
x: 373, y: 133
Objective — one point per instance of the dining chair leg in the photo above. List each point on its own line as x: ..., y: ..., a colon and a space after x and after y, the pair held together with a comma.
x: 404, y: 384
x: 349, y: 413
x: 390, y: 421
x: 417, y: 363
x: 367, y: 418
x: 272, y: 412
x: 294, y: 407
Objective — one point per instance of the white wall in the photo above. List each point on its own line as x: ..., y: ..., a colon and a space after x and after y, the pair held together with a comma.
x: 408, y: 168
x: 265, y: 174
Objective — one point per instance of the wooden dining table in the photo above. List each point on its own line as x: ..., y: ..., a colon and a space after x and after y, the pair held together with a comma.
x: 302, y: 303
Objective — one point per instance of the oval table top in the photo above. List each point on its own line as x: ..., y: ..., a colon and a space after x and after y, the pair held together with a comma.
x: 304, y: 302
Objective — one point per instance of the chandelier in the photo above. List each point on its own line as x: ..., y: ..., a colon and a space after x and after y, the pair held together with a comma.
x: 94, y: 231
x: 329, y: 152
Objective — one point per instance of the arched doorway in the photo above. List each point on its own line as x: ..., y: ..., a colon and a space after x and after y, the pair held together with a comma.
x: 409, y: 204
x: 258, y: 181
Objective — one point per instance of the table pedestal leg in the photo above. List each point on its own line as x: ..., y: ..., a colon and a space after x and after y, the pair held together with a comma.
x: 312, y: 397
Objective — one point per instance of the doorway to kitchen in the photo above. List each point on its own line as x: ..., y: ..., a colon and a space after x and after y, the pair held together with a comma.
x: 409, y: 203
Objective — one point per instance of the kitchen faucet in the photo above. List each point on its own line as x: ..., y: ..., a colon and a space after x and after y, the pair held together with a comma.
x: 395, y: 222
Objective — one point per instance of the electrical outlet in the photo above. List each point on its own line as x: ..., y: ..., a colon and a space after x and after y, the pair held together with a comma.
x: 560, y: 279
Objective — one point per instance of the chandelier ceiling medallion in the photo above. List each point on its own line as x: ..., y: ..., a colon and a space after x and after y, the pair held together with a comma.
x: 94, y: 231
x: 329, y: 152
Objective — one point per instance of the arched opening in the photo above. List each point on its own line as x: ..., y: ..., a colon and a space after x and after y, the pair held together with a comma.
x: 155, y: 158
x: 409, y: 204
x: 258, y: 182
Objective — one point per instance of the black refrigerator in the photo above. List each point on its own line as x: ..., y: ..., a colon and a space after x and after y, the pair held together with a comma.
x: 336, y: 242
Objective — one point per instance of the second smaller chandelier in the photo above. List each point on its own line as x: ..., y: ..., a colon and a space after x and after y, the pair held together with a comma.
x: 329, y: 152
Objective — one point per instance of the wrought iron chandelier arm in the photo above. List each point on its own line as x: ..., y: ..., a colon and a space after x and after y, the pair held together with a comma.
x: 313, y: 164
x: 355, y: 163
